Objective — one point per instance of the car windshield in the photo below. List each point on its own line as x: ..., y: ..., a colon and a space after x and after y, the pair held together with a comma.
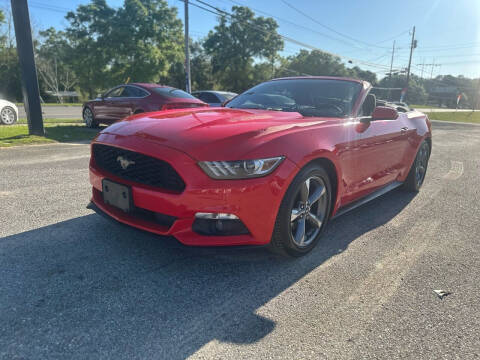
x: 309, y: 97
x: 171, y: 92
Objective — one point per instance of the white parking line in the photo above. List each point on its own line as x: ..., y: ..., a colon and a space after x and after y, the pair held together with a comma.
x: 418, y: 203
x: 455, y: 172
x: 46, y: 160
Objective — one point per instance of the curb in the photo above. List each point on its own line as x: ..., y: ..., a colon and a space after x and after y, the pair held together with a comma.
x: 453, y: 122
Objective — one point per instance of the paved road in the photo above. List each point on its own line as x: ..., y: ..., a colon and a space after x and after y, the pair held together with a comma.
x: 56, y: 112
x: 76, y: 285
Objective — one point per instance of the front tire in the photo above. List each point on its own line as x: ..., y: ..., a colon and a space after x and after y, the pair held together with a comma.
x: 89, y: 118
x: 417, y: 172
x: 8, y: 116
x: 303, y: 213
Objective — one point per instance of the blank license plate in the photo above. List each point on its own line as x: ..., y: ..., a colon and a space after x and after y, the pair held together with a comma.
x: 117, y: 195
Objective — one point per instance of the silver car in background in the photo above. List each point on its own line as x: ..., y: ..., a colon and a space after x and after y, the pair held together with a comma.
x: 213, y: 97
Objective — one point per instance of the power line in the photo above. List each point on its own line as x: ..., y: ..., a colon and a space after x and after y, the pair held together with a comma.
x: 330, y: 28
x: 453, y: 45
x: 448, y: 49
x: 310, y: 29
x: 55, y: 7
x: 394, y: 37
x: 462, y: 62
x: 305, y: 45
x: 454, y: 56
x: 294, y: 24
x: 48, y: 7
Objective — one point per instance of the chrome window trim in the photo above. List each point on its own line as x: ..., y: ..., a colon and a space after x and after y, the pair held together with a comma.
x: 129, y: 97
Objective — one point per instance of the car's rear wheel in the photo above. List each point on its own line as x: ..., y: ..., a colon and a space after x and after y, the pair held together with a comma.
x: 303, y: 213
x: 89, y: 118
x: 417, y: 172
x: 8, y: 116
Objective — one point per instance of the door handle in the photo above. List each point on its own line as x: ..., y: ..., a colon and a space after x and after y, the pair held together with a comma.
x: 404, y: 129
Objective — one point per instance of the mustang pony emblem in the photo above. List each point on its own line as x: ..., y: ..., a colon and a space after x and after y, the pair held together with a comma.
x: 124, y: 163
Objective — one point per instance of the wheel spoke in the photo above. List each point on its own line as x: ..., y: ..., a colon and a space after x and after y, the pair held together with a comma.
x: 304, y: 190
x: 314, y: 220
x: 295, y: 214
x: 319, y: 192
x: 300, y: 232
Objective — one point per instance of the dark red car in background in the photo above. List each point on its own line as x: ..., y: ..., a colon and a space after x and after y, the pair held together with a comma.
x: 135, y: 98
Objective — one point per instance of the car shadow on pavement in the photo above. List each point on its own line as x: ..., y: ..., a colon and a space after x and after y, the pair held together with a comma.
x: 93, y: 288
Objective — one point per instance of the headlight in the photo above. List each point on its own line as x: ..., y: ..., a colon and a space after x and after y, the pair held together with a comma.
x: 241, y: 169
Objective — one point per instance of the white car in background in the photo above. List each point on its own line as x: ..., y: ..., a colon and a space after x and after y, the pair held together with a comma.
x: 8, y: 112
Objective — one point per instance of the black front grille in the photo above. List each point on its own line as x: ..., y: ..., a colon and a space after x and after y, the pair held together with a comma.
x: 137, y: 167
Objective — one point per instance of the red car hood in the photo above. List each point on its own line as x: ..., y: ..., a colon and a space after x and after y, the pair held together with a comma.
x: 214, y: 133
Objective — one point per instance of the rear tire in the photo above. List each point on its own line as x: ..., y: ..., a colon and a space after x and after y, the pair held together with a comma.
x: 89, y: 118
x: 8, y: 116
x: 416, y: 175
x: 303, y: 213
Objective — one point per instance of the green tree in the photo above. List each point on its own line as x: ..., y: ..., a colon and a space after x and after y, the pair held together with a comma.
x: 90, y: 37
x: 10, y: 83
x: 2, y: 21
x: 147, y: 37
x: 416, y: 93
x: 137, y: 41
x: 53, y: 67
x: 201, y: 70
x: 236, y: 42
x: 366, y: 75
x: 201, y: 67
x: 313, y: 62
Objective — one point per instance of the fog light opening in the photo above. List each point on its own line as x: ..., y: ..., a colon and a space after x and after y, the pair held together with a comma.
x: 201, y: 215
x: 218, y: 224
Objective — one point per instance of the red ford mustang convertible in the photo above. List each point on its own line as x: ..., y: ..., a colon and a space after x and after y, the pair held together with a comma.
x: 269, y: 168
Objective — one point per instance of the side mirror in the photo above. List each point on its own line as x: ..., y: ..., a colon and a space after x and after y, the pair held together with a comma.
x: 384, y: 113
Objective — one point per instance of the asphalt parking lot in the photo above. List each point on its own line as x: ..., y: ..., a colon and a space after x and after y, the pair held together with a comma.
x: 75, y: 285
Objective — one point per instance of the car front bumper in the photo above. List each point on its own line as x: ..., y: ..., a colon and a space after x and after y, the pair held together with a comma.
x: 254, y: 201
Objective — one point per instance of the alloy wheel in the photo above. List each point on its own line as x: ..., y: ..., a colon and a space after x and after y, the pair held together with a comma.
x: 8, y: 116
x: 88, y: 117
x: 309, y: 211
x: 421, y: 164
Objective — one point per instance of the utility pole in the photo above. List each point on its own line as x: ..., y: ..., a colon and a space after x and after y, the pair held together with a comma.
x: 391, y: 62
x: 413, y: 45
x: 31, y: 93
x: 433, y: 65
x: 188, y: 85
x: 423, y: 67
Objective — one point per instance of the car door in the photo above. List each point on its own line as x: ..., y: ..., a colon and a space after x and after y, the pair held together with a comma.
x: 111, y: 111
x: 372, y: 155
x: 125, y: 103
x: 101, y: 105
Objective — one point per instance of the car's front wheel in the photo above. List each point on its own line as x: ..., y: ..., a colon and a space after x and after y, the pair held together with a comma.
x: 8, y: 116
x: 303, y: 213
x: 89, y: 118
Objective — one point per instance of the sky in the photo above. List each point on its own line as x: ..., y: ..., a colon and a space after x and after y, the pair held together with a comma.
x: 362, y: 31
